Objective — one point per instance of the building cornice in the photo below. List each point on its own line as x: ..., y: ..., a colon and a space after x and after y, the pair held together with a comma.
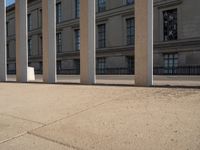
x: 167, y: 3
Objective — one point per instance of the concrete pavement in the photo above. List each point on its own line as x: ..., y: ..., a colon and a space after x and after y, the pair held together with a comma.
x: 72, y: 117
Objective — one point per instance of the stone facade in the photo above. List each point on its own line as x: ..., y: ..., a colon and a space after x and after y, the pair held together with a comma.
x: 115, y: 53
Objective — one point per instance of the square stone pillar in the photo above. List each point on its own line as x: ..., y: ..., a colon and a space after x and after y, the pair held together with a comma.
x: 144, y: 42
x: 21, y: 40
x: 49, y: 40
x: 88, y: 42
x: 3, y: 59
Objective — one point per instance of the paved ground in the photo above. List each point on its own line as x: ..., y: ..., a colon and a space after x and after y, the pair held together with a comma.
x: 39, y: 116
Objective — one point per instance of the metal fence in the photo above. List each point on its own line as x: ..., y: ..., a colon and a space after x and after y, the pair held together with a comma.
x: 184, y: 70
x: 181, y: 70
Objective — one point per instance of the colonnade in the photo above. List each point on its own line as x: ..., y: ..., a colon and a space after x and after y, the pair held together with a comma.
x: 143, y: 41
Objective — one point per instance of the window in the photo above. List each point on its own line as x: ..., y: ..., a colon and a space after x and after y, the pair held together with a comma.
x: 11, y: 68
x: 40, y: 18
x: 130, y: 62
x: 129, y: 2
x: 40, y: 66
x: 59, y: 42
x: 77, y: 39
x: 58, y: 12
x: 77, y: 65
x: 101, y: 65
x: 8, y: 50
x: 77, y: 8
x: 101, y: 36
x: 170, y: 24
x: 130, y: 25
x: 30, y: 47
x: 7, y: 26
x: 59, y: 66
x: 101, y: 5
x: 29, y: 22
x: 170, y: 63
x: 41, y: 46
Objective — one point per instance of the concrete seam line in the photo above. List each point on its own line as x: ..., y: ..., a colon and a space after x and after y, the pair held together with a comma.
x: 77, y: 113
x: 14, y: 137
x: 54, y: 141
x: 16, y: 117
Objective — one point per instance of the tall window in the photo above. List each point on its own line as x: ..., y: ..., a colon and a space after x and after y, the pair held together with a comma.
x: 29, y: 22
x: 30, y: 44
x: 40, y: 18
x: 101, y: 5
x: 77, y: 8
x: 130, y: 61
x: 77, y: 39
x: 41, y: 46
x: 170, y: 63
x: 130, y: 31
x: 58, y: 12
x: 59, y: 42
x: 129, y: 2
x: 102, y: 36
x: 7, y: 26
x: 170, y: 24
x: 101, y: 65
x: 77, y: 65
x: 59, y: 66
x: 8, y: 50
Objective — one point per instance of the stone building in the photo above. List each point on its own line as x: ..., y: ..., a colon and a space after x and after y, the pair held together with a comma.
x: 176, y: 36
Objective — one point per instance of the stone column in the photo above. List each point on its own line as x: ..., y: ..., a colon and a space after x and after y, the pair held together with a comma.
x: 3, y: 59
x: 144, y: 42
x: 49, y: 40
x: 21, y: 40
x: 88, y: 46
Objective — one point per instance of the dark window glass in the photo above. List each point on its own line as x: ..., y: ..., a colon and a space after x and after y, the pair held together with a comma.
x: 29, y: 22
x: 101, y: 5
x: 130, y: 62
x: 59, y: 42
x: 77, y: 66
x: 8, y: 50
x: 77, y: 39
x: 59, y: 66
x: 170, y: 63
x: 101, y: 65
x: 40, y: 18
x: 77, y: 8
x: 30, y: 47
x: 130, y: 31
x: 58, y: 12
x: 129, y: 2
x: 102, y: 36
x: 7, y: 26
x: 170, y: 24
x: 41, y: 46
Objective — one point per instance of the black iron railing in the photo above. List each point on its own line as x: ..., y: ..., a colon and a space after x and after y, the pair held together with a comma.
x: 182, y: 70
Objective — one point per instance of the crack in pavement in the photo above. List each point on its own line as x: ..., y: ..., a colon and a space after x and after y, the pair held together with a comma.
x: 30, y: 132
x: 24, y: 119
x: 55, y: 141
